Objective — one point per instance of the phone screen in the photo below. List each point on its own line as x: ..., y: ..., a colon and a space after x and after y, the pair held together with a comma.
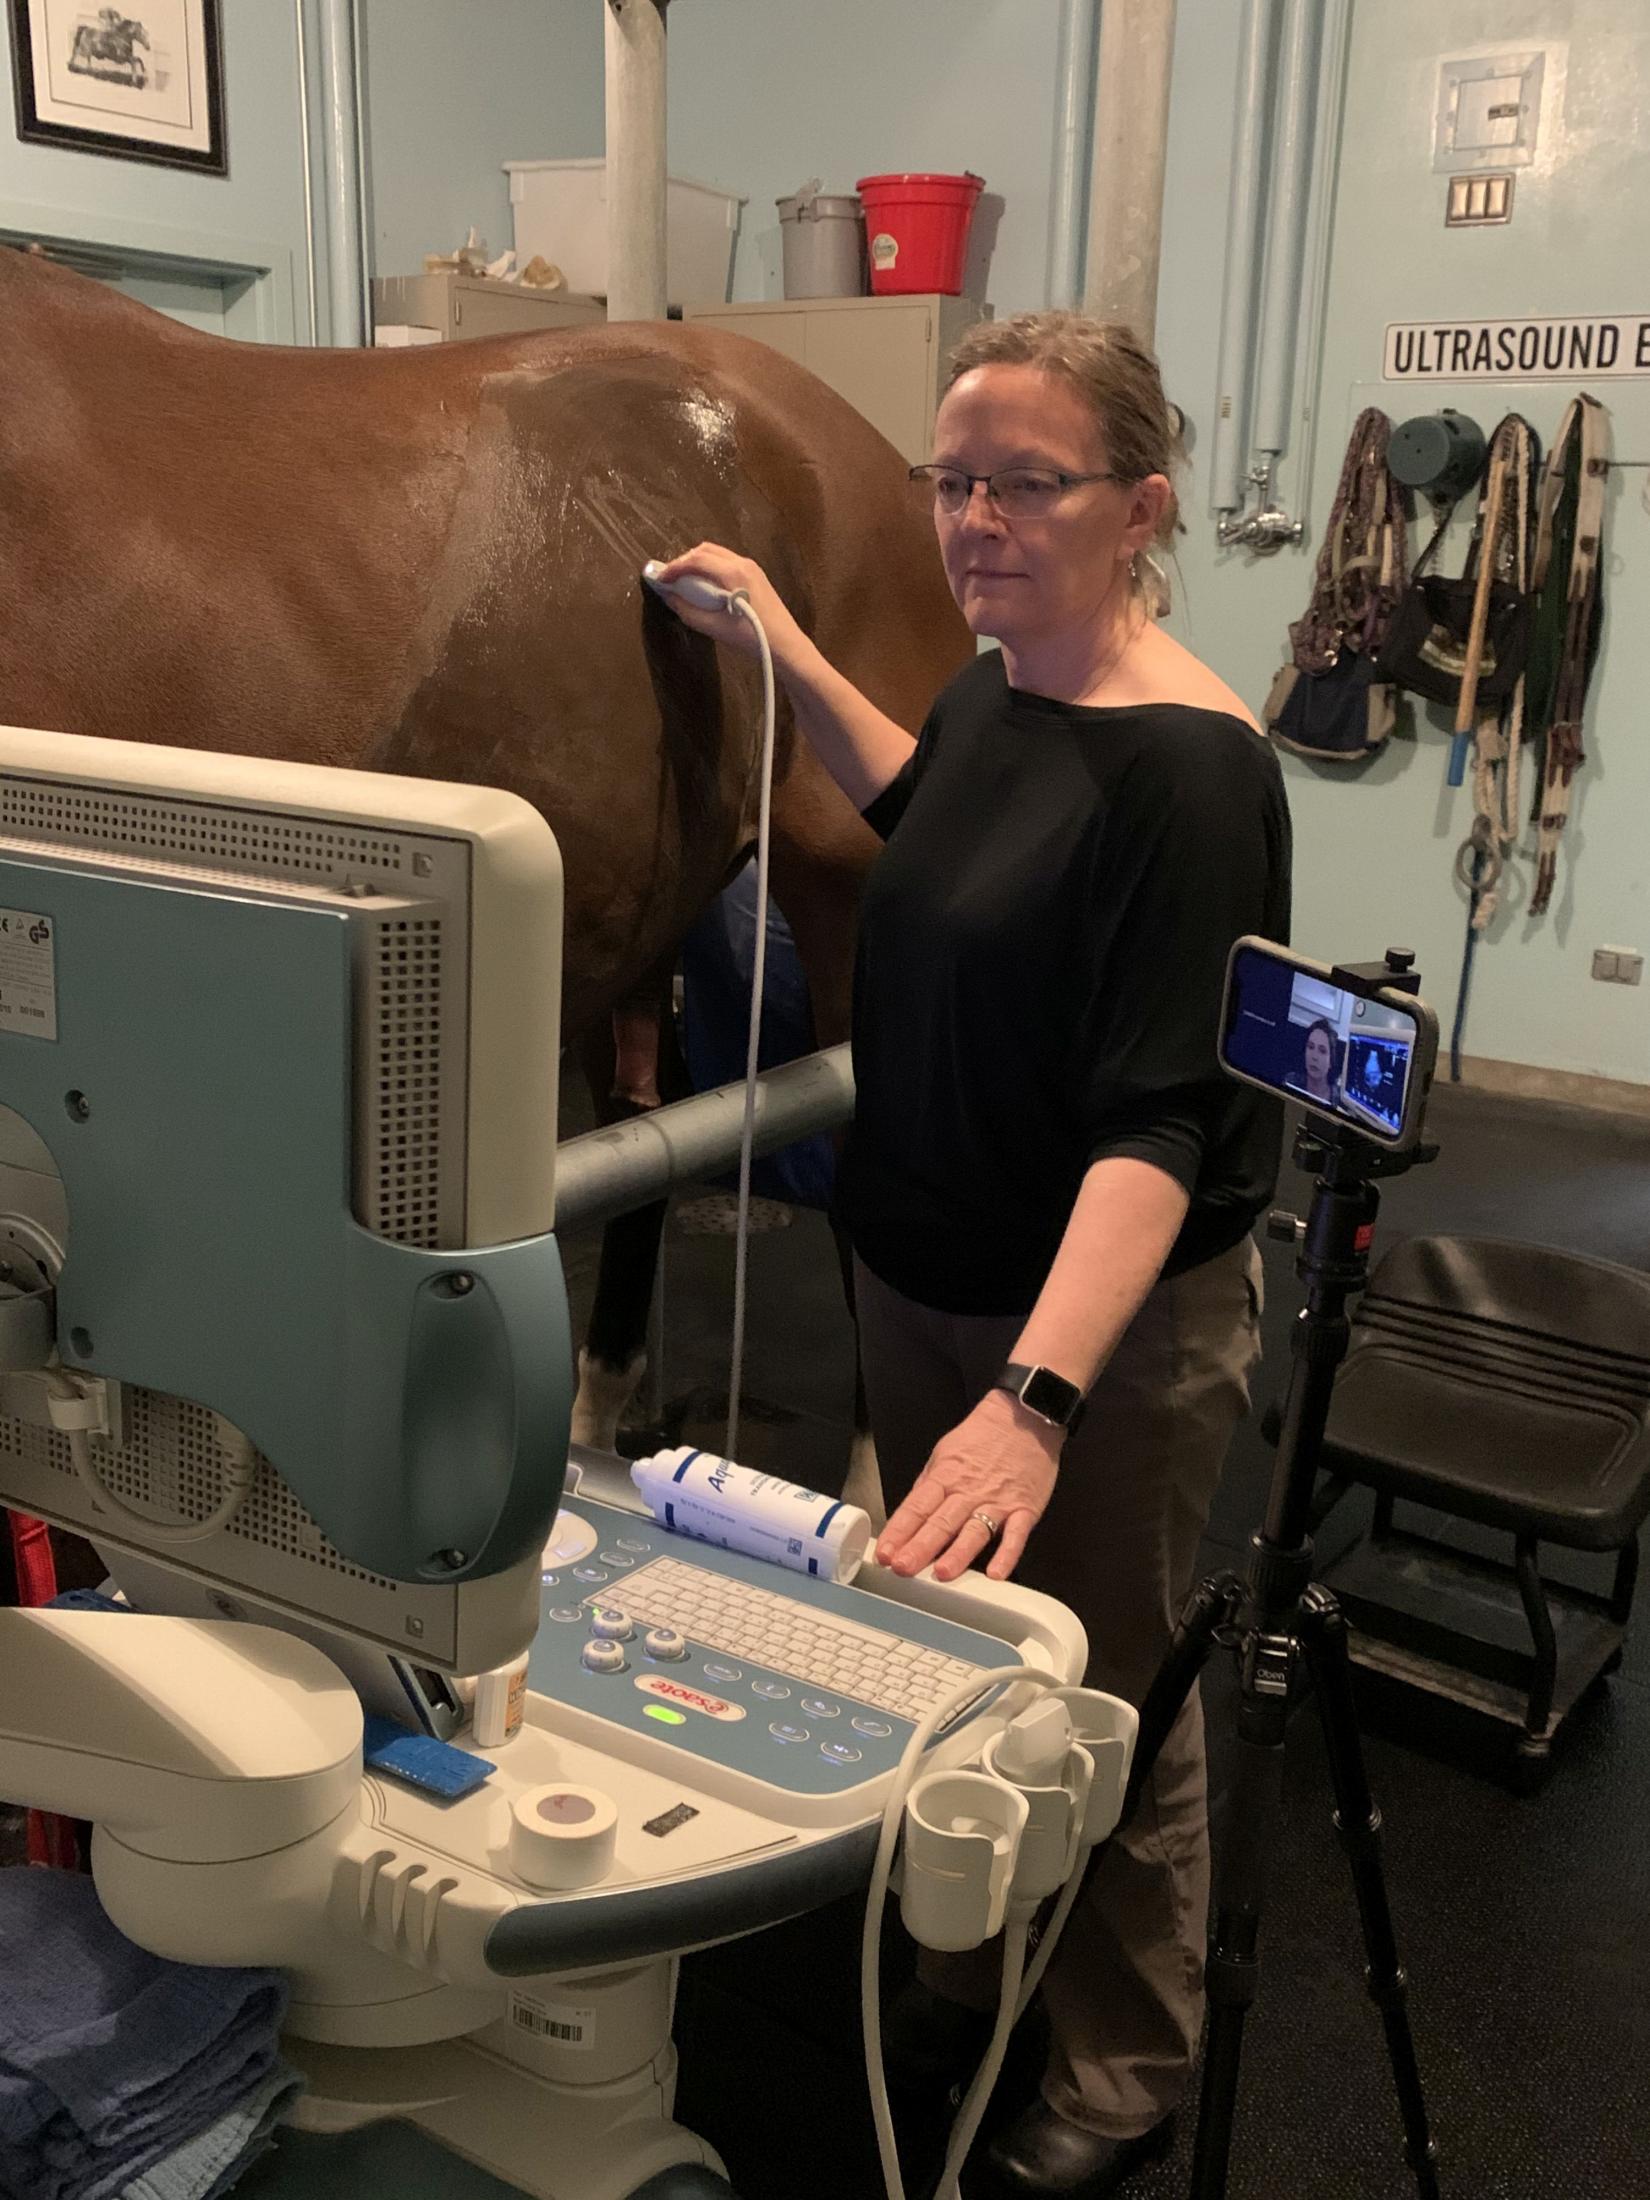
x: 1315, y: 1042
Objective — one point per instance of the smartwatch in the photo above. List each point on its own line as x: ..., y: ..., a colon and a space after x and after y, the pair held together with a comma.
x: 1044, y: 1393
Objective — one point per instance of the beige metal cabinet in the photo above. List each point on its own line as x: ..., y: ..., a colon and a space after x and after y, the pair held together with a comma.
x: 886, y: 356
x: 474, y: 305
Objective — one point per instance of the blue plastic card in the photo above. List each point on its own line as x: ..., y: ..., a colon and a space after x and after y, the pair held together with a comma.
x: 438, y: 1768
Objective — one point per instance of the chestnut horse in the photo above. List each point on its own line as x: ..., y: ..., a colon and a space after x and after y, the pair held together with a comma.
x: 427, y: 561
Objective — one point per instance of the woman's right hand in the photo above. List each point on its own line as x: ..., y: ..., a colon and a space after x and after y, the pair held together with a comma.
x: 726, y: 569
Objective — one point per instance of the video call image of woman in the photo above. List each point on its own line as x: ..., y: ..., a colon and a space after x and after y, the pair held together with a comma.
x: 1319, y: 1074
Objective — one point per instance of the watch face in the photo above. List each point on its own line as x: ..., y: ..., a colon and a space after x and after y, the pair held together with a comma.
x: 1050, y: 1395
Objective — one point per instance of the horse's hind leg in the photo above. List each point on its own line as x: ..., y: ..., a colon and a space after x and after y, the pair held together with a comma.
x: 632, y: 1069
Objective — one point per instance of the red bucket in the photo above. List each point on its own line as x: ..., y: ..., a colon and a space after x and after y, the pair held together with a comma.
x: 916, y: 229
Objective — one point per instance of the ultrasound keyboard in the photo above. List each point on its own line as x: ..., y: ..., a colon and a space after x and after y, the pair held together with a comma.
x: 734, y: 1619
x: 808, y: 1685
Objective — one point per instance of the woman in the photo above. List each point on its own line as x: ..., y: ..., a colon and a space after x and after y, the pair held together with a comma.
x: 1316, y: 1076
x: 1049, y: 1185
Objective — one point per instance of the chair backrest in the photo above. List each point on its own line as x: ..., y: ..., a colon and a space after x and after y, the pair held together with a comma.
x: 1534, y: 1309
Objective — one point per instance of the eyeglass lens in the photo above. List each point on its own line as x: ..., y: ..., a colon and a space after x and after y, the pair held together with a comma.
x: 1020, y: 490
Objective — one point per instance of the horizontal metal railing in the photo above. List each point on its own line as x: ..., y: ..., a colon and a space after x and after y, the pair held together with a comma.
x: 603, y: 1173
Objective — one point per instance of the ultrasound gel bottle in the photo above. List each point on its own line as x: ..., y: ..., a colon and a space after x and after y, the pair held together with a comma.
x: 715, y: 1500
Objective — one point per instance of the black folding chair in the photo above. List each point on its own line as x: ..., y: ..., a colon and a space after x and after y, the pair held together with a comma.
x: 1508, y: 1385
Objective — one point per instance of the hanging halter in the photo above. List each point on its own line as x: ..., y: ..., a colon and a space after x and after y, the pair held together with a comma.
x: 1569, y: 581
x: 1361, y: 560
x: 1498, y: 733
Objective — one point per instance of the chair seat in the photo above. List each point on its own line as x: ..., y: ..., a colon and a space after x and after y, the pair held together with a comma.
x: 1503, y: 1383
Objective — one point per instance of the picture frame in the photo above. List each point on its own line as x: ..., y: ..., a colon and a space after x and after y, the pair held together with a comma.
x: 140, y: 81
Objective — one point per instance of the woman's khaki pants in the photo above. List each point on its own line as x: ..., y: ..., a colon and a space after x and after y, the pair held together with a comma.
x: 1118, y: 1544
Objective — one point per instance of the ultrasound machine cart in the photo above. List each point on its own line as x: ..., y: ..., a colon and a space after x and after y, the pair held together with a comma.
x: 285, y: 1337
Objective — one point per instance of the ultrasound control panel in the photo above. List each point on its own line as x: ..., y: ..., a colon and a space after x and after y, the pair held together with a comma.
x: 809, y: 1685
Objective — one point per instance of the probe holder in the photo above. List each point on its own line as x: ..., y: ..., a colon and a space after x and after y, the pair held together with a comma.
x: 962, y: 1835
x: 1107, y: 1728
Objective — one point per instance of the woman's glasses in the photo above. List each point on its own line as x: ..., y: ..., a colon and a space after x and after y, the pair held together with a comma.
x: 1021, y: 492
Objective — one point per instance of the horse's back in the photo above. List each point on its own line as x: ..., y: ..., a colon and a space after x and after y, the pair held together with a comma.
x: 428, y: 560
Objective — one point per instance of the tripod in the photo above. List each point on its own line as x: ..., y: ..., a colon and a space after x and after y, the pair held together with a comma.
x: 1276, y: 1620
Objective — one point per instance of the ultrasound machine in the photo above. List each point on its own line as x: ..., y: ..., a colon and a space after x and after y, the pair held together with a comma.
x: 283, y: 1332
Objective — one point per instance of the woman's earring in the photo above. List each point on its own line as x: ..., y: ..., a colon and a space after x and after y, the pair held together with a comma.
x: 1152, y: 582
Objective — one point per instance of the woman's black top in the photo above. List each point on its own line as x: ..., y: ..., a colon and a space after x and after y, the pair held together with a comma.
x: 1042, y: 952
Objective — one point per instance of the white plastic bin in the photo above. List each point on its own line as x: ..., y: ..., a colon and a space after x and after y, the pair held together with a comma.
x: 560, y: 210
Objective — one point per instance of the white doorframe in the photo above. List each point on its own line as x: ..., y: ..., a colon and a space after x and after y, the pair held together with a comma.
x: 256, y: 275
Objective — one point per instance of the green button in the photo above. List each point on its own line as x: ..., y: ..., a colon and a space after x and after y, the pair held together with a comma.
x: 664, y: 1714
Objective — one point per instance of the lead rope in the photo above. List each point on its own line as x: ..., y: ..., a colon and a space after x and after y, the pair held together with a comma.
x: 1498, y: 733
x: 1580, y: 458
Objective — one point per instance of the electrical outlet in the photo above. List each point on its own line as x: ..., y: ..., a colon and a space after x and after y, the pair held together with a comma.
x: 1618, y: 965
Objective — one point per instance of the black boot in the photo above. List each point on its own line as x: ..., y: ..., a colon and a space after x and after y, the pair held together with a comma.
x: 1043, y: 2157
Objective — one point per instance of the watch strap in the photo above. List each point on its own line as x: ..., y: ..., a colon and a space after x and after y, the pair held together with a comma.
x: 1041, y: 1391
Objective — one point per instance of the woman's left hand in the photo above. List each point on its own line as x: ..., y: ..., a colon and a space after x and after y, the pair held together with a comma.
x: 1000, y: 1461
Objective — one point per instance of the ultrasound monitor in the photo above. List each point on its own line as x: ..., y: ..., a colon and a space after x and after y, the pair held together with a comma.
x: 278, y: 1069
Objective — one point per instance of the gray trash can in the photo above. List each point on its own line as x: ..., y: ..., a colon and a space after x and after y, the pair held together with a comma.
x: 824, y: 244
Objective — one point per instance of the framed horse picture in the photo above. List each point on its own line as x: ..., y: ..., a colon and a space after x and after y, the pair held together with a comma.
x: 144, y: 85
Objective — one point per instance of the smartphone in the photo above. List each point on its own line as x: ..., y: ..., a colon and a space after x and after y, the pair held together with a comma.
x: 1339, y: 1044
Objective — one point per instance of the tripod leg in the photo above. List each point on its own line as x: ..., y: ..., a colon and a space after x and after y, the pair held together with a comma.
x: 1232, y: 1971
x: 1358, y: 1822
x: 1211, y: 1605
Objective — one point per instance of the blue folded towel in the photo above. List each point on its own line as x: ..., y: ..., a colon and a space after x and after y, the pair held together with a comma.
x: 207, y: 2166
x: 111, y: 2058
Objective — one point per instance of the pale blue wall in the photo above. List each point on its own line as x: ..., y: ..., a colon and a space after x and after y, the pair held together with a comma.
x: 766, y: 93
x: 763, y: 94
x: 453, y: 89
x: 252, y: 216
x: 1375, y: 847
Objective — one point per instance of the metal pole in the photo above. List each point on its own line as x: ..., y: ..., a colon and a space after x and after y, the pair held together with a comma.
x: 1228, y: 460
x: 1337, y: 40
x: 1073, y: 139
x: 1290, y: 202
x: 1131, y: 135
x: 346, y: 256
x: 608, y: 1172
x: 299, y: 9
x: 635, y: 48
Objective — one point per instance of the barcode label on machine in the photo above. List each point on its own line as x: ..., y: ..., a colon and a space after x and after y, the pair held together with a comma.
x: 567, y: 2024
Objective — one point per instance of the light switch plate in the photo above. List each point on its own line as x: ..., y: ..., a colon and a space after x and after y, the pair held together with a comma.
x: 1476, y: 202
